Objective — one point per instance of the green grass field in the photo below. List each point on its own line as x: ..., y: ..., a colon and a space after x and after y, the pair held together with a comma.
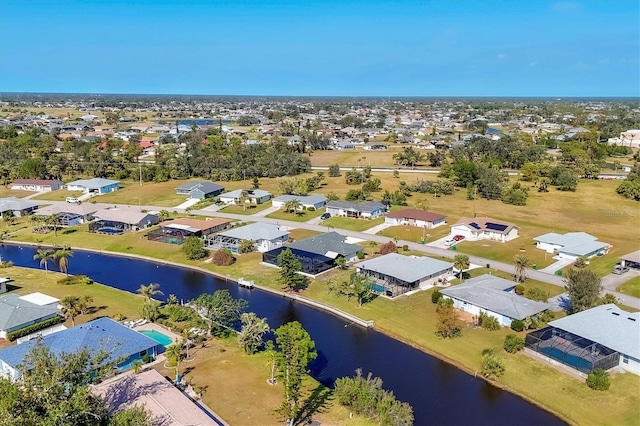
x: 61, y: 195
x: 300, y: 215
x: 161, y: 194
x: 358, y: 225
x: 249, y: 209
x: 631, y: 287
x: 6, y: 192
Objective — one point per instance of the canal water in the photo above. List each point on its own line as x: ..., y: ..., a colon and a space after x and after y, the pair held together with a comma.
x: 440, y: 393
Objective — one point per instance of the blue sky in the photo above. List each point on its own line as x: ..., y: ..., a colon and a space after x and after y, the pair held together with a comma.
x: 322, y: 48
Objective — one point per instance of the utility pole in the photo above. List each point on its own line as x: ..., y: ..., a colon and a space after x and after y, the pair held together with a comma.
x: 475, y: 194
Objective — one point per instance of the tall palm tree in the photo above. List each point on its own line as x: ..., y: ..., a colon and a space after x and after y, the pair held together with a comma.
x: 173, y: 354
x: 44, y: 255
x: 243, y: 198
x: 148, y: 291
x: 292, y: 206
x: 62, y: 256
x: 461, y: 263
x: 54, y: 221
x: 522, y: 263
x: 71, y: 308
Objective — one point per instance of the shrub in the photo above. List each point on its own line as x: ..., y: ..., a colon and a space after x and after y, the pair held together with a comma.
x: 13, y: 335
x: 519, y: 289
x: 405, y: 248
x: 360, y: 255
x: 489, y: 322
x: 546, y: 315
x: 492, y: 366
x: 517, y: 325
x: 513, y: 343
x: 193, y: 248
x: 389, y: 247
x: 119, y: 317
x: 75, y: 279
x: 436, y: 296
x: 537, y: 294
x: 222, y: 257
x: 178, y: 313
x: 598, y: 379
x: 311, y: 209
x: 6, y: 264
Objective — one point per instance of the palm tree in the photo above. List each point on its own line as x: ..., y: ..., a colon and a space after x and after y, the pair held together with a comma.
x: 522, y: 262
x: 148, y: 291
x: 173, y: 355
x: 45, y: 255
x: 62, y: 256
x: 253, y: 328
x: 243, y: 198
x: 71, y: 308
x: 84, y: 303
x: 54, y: 221
x: 187, y: 340
x: 136, y: 366
x: 292, y: 206
x: 461, y: 262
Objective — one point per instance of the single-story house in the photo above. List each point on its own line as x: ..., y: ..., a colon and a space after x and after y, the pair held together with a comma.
x: 367, y: 210
x: 36, y: 185
x: 93, y: 186
x: 484, y: 228
x: 306, y: 201
x: 166, y: 404
x: 264, y: 235
x: 3, y: 284
x: 571, y: 245
x: 255, y: 196
x: 415, y: 217
x: 122, y: 344
x: 200, y: 189
x: 178, y: 230
x: 18, y: 312
x: 17, y: 206
x: 117, y: 221
x: 318, y: 253
x: 374, y: 146
x: 395, y: 274
x: 631, y: 260
x: 601, y: 337
x: 342, y: 145
x: 72, y: 214
x: 495, y: 297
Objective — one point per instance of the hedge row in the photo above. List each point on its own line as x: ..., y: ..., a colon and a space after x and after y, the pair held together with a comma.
x: 13, y: 335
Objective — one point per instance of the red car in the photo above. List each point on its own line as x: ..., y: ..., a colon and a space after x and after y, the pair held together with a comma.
x: 458, y: 238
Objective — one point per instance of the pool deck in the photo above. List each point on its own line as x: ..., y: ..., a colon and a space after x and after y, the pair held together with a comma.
x: 156, y: 327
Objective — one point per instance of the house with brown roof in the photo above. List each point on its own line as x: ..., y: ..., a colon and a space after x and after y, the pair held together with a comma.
x: 36, y: 185
x: 484, y: 228
x: 178, y: 230
x: 415, y: 217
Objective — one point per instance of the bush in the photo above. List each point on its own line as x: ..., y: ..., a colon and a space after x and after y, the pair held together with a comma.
x: 513, y: 343
x: 178, y: 313
x: 436, y: 296
x: 119, y: 317
x: 598, y: 379
x: 13, y: 335
x: 75, y: 279
x: 517, y: 325
x: 405, y: 248
x: 360, y: 255
x: 519, y: 289
x: 492, y: 366
x: 311, y: 209
x: 6, y: 264
x: 489, y: 322
x: 389, y: 247
x: 193, y: 248
x: 222, y: 257
x: 537, y: 294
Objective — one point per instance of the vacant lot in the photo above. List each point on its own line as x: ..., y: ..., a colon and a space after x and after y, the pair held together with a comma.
x: 6, y: 192
x: 300, y: 215
x: 161, y: 194
x: 60, y: 195
x: 358, y: 225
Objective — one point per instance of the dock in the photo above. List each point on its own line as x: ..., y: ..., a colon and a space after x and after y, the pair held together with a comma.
x: 245, y: 283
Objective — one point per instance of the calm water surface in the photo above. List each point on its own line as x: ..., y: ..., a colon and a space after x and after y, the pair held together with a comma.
x: 440, y: 393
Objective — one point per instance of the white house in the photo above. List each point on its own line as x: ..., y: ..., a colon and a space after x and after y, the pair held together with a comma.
x: 493, y: 296
x: 315, y: 201
x: 571, y: 245
x: 256, y: 196
x: 414, y: 217
x: 94, y: 186
x: 17, y: 312
x: 484, y: 228
x: 17, y: 206
x: 265, y: 237
x: 366, y: 210
x: 36, y: 185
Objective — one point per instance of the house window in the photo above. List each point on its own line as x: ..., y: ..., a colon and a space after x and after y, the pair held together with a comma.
x: 143, y: 353
x: 625, y: 359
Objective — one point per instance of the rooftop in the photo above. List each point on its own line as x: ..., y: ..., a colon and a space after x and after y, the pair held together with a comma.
x: 204, y: 186
x: 16, y: 311
x: 35, y: 182
x: 254, y: 193
x: 93, y: 183
x: 416, y: 214
x: 577, y: 243
x: 122, y: 215
x: 405, y: 268
x: 329, y: 244
x: 368, y: 206
x: 256, y: 231
x: 194, y: 225
x: 489, y: 292
x: 486, y: 224
x: 14, y: 203
x: 303, y: 199
x: 632, y: 257
x: 608, y: 325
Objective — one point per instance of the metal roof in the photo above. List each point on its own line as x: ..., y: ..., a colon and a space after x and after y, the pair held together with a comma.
x: 15, y: 204
x: 405, y: 268
x: 256, y: 232
x: 253, y: 193
x: 368, y: 207
x: 327, y: 245
x: 417, y: 215
x: 95, y: 183
x: 489, y: 292
x: 608, y: 325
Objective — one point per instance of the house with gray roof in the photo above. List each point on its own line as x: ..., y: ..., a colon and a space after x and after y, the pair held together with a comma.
x: 200, y: 189
x: 493, y: 296
x: 255, y: 196
x: 306, y: 201
x: 366, y: 210
x: 94, y: 186
x: 571, y: 245
x: 118, y: 220
x: 602, y: 337
x: 395, y: 274
x: 18, y: 312
x: 265, y: 237
x: 17, y: 206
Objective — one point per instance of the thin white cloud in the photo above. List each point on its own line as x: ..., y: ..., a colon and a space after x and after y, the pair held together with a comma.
x: 501, y: 56
x: 533, y: 63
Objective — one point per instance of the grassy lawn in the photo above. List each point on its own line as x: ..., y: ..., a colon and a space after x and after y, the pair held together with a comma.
x: 414, y: 233
x: 300, y: 216
x: 6, y: 192
x: 249, y: 210
x: 349, y: 158
x: 631, y: 287
x: 301, y: 234
x: 161, y: 194
x: 247, y: 398
x: 504, y: 252
x: 358, y: 225
x: 61, y: 195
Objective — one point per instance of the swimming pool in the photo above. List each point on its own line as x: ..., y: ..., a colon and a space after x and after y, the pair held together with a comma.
x: 163, y: 339
x: 114, y: 231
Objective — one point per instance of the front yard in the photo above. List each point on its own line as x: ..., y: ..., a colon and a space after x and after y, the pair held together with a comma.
x: 249, y: 209
x: 300, y: 215
x: 504, y: 252
x: 357, y: 225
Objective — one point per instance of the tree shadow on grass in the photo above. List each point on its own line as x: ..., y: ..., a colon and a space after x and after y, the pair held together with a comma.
x: 316, y: 403
x: 69, y: 231
x: 94, y: 309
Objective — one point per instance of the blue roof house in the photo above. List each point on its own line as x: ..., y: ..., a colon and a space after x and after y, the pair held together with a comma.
x: 94, y: 186
x: 123, y: 344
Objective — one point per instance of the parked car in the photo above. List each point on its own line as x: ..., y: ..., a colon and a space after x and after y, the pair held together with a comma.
x: 619, y: 269
x: 325, y: 216
x: 73, y: 200
x: 458, y: 238
x: 449, y: 242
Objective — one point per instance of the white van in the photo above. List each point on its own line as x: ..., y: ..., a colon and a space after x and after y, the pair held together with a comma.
x: 73, y: 200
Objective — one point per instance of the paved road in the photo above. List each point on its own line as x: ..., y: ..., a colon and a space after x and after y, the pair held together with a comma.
x: 424, y: 248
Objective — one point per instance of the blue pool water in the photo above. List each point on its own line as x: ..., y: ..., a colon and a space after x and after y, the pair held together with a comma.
x: 158, y: 337
x: 572, y: 360
x: 378, y: 288
x: 110, y: 231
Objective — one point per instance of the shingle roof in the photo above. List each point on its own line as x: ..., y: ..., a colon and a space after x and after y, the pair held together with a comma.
x: 15, y: 204
x: 486, y: 224
x: 253, y: 193
x: 405, y: 268
x: 608, y: 325
x: 204, y: 186
x: 125, y: 216
x: 195, y: 224
x: 488, y: 292
x: 326, y: 243
x: 576, y: 243
x: 100, y: 334
x: 93, y: 183
x: 256, y: 231
x: 35, y: 182
x: 306, y: 200
x: 416, y: 214
x: 366, y: 207
x: 632, y: 257
x: 15, y: 311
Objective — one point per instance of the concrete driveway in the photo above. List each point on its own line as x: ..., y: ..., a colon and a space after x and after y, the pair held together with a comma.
x: 612, y: 281
x: 556, y: 266
x: 374, y: 230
